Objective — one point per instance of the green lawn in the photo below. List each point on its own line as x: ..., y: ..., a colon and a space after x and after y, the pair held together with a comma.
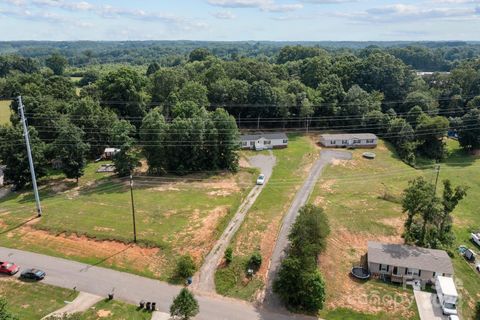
x: 5, y: 111
x: 175, y: 216
x: 362, y: 199
x: 259, y: 230
x: 32, y: 301
x: 114, y: 310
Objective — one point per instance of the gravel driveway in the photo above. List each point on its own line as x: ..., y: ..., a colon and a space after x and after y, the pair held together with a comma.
x: 271, y: 300
x: 204, y: 280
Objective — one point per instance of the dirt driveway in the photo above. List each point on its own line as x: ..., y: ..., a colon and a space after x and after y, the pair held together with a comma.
x: 428, y: 307
x: 204, y: 280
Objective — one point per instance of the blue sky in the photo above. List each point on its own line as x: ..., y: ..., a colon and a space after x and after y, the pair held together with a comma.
x: 295, y: 20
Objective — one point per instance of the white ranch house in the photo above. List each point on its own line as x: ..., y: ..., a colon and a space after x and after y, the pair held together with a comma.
x: 349, y: 140
x: 263, y: 141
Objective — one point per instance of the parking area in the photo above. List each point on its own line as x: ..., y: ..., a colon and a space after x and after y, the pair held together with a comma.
x: 428, y: 307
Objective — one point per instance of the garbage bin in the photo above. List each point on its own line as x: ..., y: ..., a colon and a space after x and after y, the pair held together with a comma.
x: 154, y: 306
x: 110, y: 296
x: 142, y: 304
x: 148, y: 306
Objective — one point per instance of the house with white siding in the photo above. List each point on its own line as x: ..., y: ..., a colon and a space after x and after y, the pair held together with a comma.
x: 349, y: 140
x: 401, y: 263
x: 264, y: 141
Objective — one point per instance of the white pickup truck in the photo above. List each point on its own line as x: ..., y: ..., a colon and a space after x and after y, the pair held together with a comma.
x: 475, y: 238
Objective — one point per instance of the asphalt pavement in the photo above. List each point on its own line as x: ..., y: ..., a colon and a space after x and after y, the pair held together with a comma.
x: 132, y: 288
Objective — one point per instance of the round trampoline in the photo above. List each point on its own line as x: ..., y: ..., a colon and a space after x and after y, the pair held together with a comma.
x: 360, y: 273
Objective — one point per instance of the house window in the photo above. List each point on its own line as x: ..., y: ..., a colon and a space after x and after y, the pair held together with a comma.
x: 413, y: 272
x: 344, y: 141
x: 395, y: 270
x: 267, y: 142
x: 252, y: 143
x: 370, y: 141
x: 285, y: 141
x: 357, y: 141
x: 244, y: 143
x: 333, y: 142
x: 383, y: 268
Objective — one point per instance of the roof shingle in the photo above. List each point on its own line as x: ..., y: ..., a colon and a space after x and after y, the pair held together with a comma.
x: 410, y: 257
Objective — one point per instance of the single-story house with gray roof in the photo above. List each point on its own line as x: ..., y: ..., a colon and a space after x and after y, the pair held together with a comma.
x: 402, y: 263
x: 349, y: 140
x: 263, y: 141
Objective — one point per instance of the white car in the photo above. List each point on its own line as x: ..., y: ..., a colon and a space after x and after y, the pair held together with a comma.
x: 261, y: 179
x: 453, y: 317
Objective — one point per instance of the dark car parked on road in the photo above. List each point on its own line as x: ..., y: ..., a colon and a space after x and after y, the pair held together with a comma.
x: 33, y: 274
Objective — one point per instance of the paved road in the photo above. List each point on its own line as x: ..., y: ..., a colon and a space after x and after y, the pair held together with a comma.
x: 271, y: 301
x: 131, y: 288
x: 205, y: 279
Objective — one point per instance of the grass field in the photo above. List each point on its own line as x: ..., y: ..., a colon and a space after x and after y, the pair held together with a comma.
x: 362, y: 199
x: 33, y: 301
x: 5, y: 111
x: 114, y: 310
x: 173, y: 215
x: 259, y: 230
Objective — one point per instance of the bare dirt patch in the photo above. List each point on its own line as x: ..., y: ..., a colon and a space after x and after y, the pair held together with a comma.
x: 203, y: 230
x: 327, y: 185
x: 243, y: 163
x: 104, y: 313
x: 103, y: 229
x: 320, y: 201
x: 267, y: 245
x: 109, y: 252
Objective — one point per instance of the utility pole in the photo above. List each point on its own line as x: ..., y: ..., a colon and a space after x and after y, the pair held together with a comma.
x: 29, y: 153
x: 133, y: 210
x: 258, y: 123
x: 437, y: 169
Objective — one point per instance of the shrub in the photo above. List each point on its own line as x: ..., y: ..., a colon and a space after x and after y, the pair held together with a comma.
x: 186, y: 266
x: 255, y: 261
x: 228, y: 255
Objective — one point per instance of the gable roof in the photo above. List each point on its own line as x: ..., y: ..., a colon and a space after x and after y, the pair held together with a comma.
x: 348, y: 136
x: 409, y: 257
x: 270, y: 136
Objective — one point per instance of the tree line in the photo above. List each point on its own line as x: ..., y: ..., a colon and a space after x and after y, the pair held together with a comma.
x: 371, y: 91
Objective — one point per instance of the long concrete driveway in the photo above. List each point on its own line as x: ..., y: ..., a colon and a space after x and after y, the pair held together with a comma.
x: 271, y: 301
x: 205, y: 279
x: 131, y: 288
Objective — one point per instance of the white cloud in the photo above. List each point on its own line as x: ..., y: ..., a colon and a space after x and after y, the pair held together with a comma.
x: 329, y: 1
x: 406, y: 12
x: 225, y: 15
x: 18, y: 3
x: 264, y: 5
x: 74, y: 6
